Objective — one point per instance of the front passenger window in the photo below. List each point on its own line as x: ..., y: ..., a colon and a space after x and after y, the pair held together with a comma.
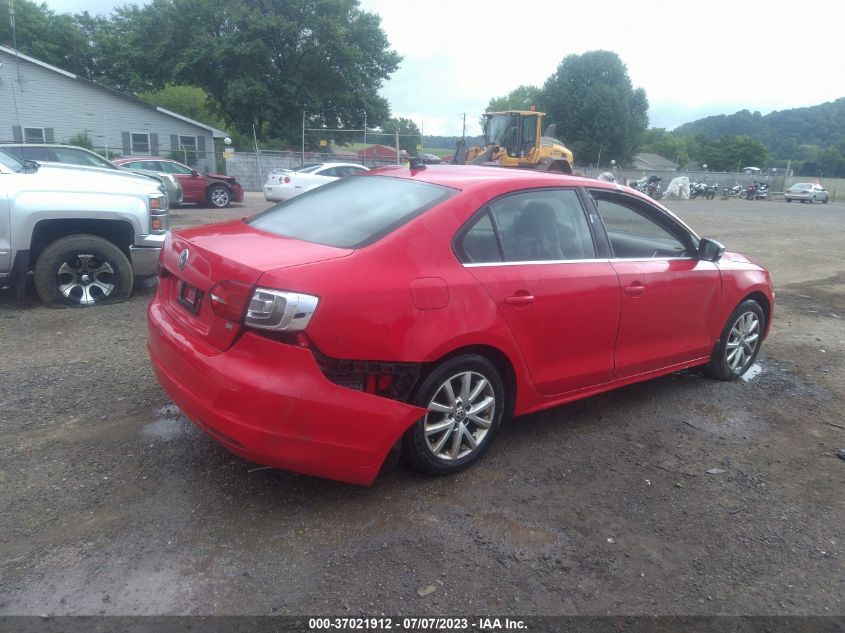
x: 634, y: 235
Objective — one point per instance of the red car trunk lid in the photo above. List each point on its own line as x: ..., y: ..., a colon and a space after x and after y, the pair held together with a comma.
x: 196, y: 260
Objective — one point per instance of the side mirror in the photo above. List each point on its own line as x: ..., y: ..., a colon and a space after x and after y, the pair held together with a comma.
x: 710, y: 250
x: 195, y: 173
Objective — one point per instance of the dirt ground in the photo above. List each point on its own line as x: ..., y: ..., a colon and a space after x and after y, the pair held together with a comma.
x: 113, y: 503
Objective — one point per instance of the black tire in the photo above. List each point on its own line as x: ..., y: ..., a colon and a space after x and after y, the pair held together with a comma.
x: 720, y: 361
x: 219, y: 196
x: 824, y: 201
x: 81, y: 271
x: 789, y: 199
x: 417, y: 446
x: 812, y: 200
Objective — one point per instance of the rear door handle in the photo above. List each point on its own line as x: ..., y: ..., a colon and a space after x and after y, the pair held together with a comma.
x: 635, y: 289
x: 519, y: 300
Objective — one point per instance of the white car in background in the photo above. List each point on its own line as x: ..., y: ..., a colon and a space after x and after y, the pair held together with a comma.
x: 284, y: 184
x: 806, y: 192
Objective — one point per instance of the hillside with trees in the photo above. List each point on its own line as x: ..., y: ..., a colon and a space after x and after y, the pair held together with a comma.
x: 812, y: 138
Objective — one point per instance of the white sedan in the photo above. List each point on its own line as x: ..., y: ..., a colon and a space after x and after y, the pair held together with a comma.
x: 806, y: 192
x: 284, y: 184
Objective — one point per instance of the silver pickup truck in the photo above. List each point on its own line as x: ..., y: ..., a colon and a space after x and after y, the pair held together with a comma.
x: 84, y: 234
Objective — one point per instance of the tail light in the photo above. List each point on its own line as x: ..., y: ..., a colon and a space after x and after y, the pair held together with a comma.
x: 280, y: 310
x: 230, y: 299
x: 286, y: 180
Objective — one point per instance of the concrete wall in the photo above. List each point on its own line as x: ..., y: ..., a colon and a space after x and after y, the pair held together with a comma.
x: 251, y: 170
x: 65, y: 106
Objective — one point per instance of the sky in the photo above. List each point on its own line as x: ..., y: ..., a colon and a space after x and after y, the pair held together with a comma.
x: 693, y: 59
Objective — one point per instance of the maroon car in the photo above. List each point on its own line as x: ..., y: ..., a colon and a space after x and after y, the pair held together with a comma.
x: 216, y: 190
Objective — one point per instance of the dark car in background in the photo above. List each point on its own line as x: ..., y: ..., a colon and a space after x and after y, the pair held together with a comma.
x: 430, y: 159
x: 216, y: 190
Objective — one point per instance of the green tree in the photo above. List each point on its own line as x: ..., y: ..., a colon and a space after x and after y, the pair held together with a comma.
x: 263, y: 62
x: 189, y: 101
x: 53, y: 38
x: 658, y: 141
x: 731, y: 153
x: 595, y: 107
x: 409, y: 133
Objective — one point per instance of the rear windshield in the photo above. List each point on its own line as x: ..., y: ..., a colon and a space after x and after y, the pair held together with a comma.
x: 351, y: 212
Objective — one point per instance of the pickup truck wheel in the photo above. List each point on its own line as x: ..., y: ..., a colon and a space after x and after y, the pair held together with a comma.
x: 219, y: 196
x: 82, y: 270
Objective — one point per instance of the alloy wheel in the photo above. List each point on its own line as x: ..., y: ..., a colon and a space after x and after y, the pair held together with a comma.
x: 85, y: 279
x: 220, y: 197
x: 743, y: 340
x: 459, y: 416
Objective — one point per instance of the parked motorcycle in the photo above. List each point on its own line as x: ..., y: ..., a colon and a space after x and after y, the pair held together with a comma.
x: 751, y: 191
x: 652, y: 187
x: 702, y: 190
x: 762, y: 191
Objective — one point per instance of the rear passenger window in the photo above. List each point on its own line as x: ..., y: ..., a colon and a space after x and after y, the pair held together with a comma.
x: 479, y: 245
x: 541, y: 225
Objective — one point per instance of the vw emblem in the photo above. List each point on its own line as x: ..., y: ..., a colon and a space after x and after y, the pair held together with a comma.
x: 183, y: 259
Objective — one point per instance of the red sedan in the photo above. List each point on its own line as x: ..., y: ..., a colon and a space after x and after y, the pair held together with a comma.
x: 216, y: 190
x: 413, y: 309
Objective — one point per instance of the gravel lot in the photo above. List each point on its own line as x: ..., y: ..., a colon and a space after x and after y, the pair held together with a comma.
x: 115, y: 504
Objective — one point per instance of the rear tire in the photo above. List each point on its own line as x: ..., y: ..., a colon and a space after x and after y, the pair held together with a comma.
x: 465, y: 398
x: 737, y: 347
x: 81, y: 271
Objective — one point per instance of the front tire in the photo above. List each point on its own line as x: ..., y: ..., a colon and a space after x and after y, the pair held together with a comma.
x: 81, y: 271
x: 465, y: 399
x: 737, y: 347
x: 219, y: 196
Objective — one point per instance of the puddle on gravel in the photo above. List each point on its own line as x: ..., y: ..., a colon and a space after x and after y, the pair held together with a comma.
x: 168, y: 424
x: 752, y: 372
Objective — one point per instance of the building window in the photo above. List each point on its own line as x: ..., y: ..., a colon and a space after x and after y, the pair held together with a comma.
x: 140, y: 143
x: 33, y: 135
x: 188, y: 143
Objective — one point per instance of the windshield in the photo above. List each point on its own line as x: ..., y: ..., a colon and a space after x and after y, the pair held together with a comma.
x: 9, y: 161
x: 499, y: 129
x: 351, y: 212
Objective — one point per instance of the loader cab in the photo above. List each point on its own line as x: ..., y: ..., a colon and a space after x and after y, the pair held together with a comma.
x: 516, y: 131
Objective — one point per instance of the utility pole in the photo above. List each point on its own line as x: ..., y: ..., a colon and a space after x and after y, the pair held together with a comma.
x: 302, y: 161
x: 365, y: 129
x: 397, y: 146
x: 464, y: 130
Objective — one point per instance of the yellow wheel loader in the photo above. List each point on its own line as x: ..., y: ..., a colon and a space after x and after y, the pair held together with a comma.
x: 512, y: 139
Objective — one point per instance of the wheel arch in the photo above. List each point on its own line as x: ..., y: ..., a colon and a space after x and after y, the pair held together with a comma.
x: 118, y: 232
x: 496, y: 356
x: 764, y: 303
